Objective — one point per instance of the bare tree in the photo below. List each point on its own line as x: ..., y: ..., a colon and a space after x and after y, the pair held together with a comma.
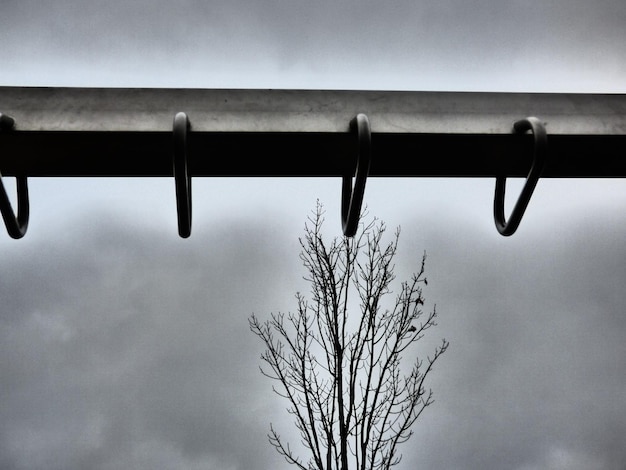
x: 341, y: 370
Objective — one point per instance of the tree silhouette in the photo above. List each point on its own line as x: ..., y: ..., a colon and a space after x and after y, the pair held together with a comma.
x: 341, y: 369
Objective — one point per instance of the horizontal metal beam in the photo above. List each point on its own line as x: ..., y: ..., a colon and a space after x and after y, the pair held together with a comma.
x: 128, y: 132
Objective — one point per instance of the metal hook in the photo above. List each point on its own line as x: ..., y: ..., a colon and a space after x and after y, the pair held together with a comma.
x: 539, y: 159
x: 16, y: 226
x: 182, y: 178
x: 352, y: 199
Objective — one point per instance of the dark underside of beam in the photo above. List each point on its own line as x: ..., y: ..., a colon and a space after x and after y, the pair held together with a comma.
x: 307, y: 154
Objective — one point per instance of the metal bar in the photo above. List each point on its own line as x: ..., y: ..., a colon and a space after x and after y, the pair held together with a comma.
x: 128, y: 132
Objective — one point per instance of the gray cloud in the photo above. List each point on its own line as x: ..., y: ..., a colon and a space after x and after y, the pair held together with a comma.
x: 130, y: 349
x: 442, y: 45
x: 534, y: 376
x: 134, y: 352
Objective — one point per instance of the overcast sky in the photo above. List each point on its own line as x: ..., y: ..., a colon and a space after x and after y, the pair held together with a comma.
x: 124, y: 346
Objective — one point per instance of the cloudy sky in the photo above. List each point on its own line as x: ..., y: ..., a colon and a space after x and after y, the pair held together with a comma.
x: 125, y: 346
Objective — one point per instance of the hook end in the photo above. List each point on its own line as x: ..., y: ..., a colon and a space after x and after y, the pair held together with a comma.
x: 182, y: 176
x: 352, y: 197
x: 508, y: 228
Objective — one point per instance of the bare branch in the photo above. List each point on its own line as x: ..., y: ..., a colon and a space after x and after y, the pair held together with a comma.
x: 342, y: 374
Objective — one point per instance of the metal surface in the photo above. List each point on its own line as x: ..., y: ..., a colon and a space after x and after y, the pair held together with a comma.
x: 127, y: 132
x: 352, y: 198
x: 182, y: 178
x: 538, y: 163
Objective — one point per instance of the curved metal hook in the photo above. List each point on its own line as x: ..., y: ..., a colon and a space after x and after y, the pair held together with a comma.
x: 182, y: 178
x: 352, y: 198
x: 539, y: 159
x: 16, y: 226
